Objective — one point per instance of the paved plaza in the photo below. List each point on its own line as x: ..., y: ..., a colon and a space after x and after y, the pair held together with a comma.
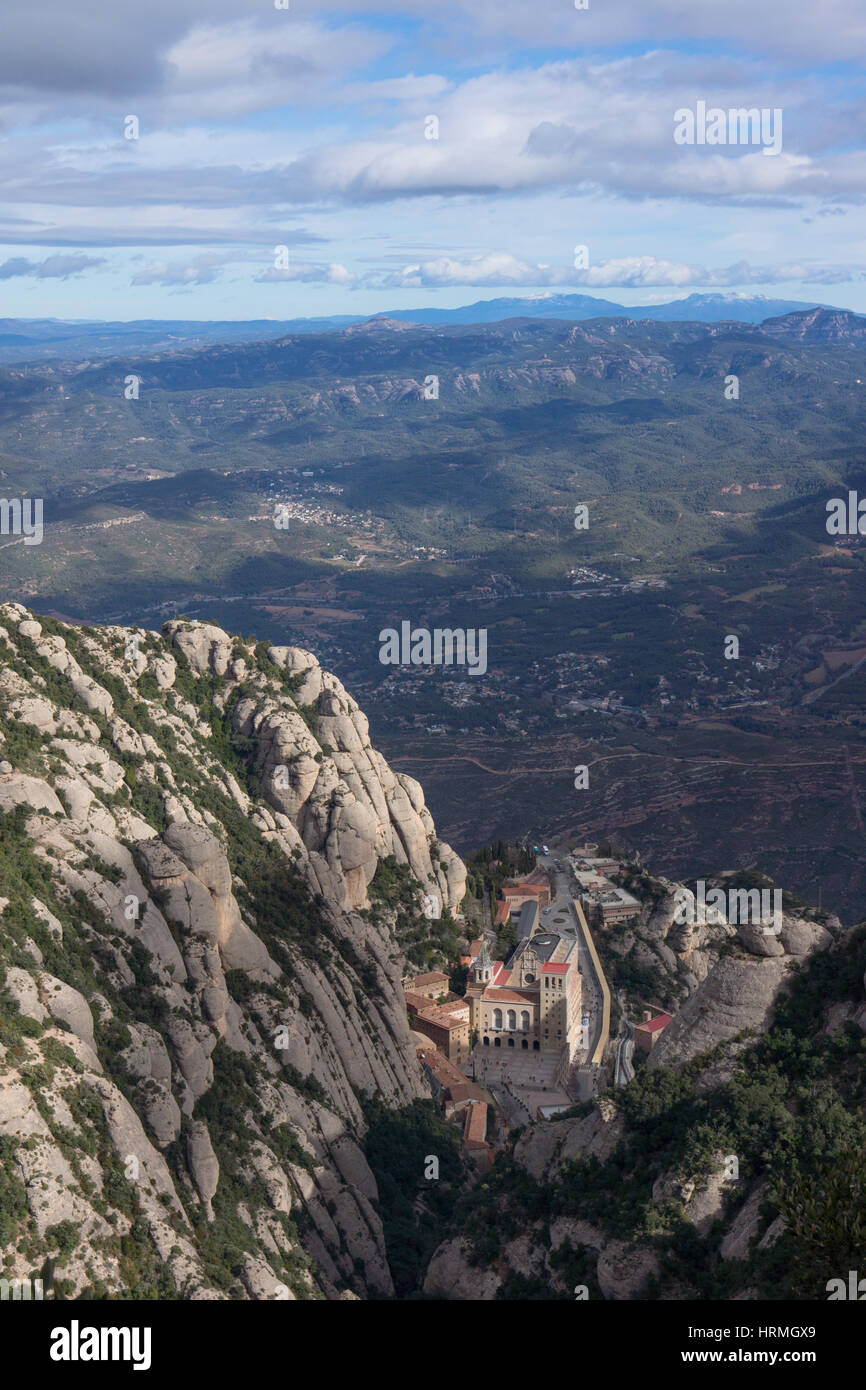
x: 521, y: 1082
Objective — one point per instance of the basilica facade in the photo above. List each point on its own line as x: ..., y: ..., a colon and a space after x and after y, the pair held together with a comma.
x: 532, y: 1001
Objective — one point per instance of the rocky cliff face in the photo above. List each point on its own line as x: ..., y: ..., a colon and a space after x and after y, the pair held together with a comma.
x: 722, y: 979
x: 196, y: 989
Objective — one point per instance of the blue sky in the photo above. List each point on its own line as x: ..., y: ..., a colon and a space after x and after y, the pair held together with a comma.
x: 307, y: 128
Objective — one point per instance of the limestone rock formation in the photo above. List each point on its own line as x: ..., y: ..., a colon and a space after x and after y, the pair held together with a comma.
x: 623, y: 1270
x: 739, y: 992
x: 196, y: 999
x: 450, y: 1275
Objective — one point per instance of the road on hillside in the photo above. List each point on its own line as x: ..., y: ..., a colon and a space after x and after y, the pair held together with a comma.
x: 623, y: 1070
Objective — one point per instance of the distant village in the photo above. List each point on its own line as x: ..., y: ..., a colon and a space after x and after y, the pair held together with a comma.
x: 526, y: 1040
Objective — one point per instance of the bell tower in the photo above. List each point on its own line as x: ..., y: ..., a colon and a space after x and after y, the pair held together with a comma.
x: 483, y: 968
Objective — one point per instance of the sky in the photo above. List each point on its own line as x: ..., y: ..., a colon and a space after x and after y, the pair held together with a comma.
x: 339, y: 158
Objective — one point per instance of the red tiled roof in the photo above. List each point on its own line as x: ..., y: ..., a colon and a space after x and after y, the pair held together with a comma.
x: 465, y: 1091
x: 555, y: 968
x: 433, y: 977
x: 417, y: 1002
x: 493, y: 995
x: 653, y: 1025
x: 476, y: 1123
x: 443, y: 1067
x: 445, y: 1014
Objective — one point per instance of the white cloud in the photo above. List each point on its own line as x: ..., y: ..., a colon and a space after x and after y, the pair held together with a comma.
x: 202, y: 270
x: 832, y: 31
x: 308, y: 273
x: 52, y: 268
x: 103, y: 50
x: 255, y: 121
x: 499, y: 269
x: 596, y: 129
x: 216, y: 72
x: 602, y: 128
x: 208, y: 266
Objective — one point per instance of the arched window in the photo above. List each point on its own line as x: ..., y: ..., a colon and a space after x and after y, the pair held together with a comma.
x: 510, y: 1042
x: 524, y: 1020
x: 525, y: 1045
x: 497, y: 1042
x: 512, y: 1018
x: 535, y: 1047
x: 486, y: 1042
x: 497, y: 1018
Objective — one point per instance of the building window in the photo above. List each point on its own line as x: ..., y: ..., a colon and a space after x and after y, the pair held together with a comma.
x: 486, y: 1042
x: 512, y: 1019
x: 497, y: 1018
x: 524, y: 1020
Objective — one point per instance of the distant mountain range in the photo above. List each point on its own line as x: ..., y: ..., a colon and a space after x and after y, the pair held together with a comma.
x: 28, y: 340
x: 700, y: 308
